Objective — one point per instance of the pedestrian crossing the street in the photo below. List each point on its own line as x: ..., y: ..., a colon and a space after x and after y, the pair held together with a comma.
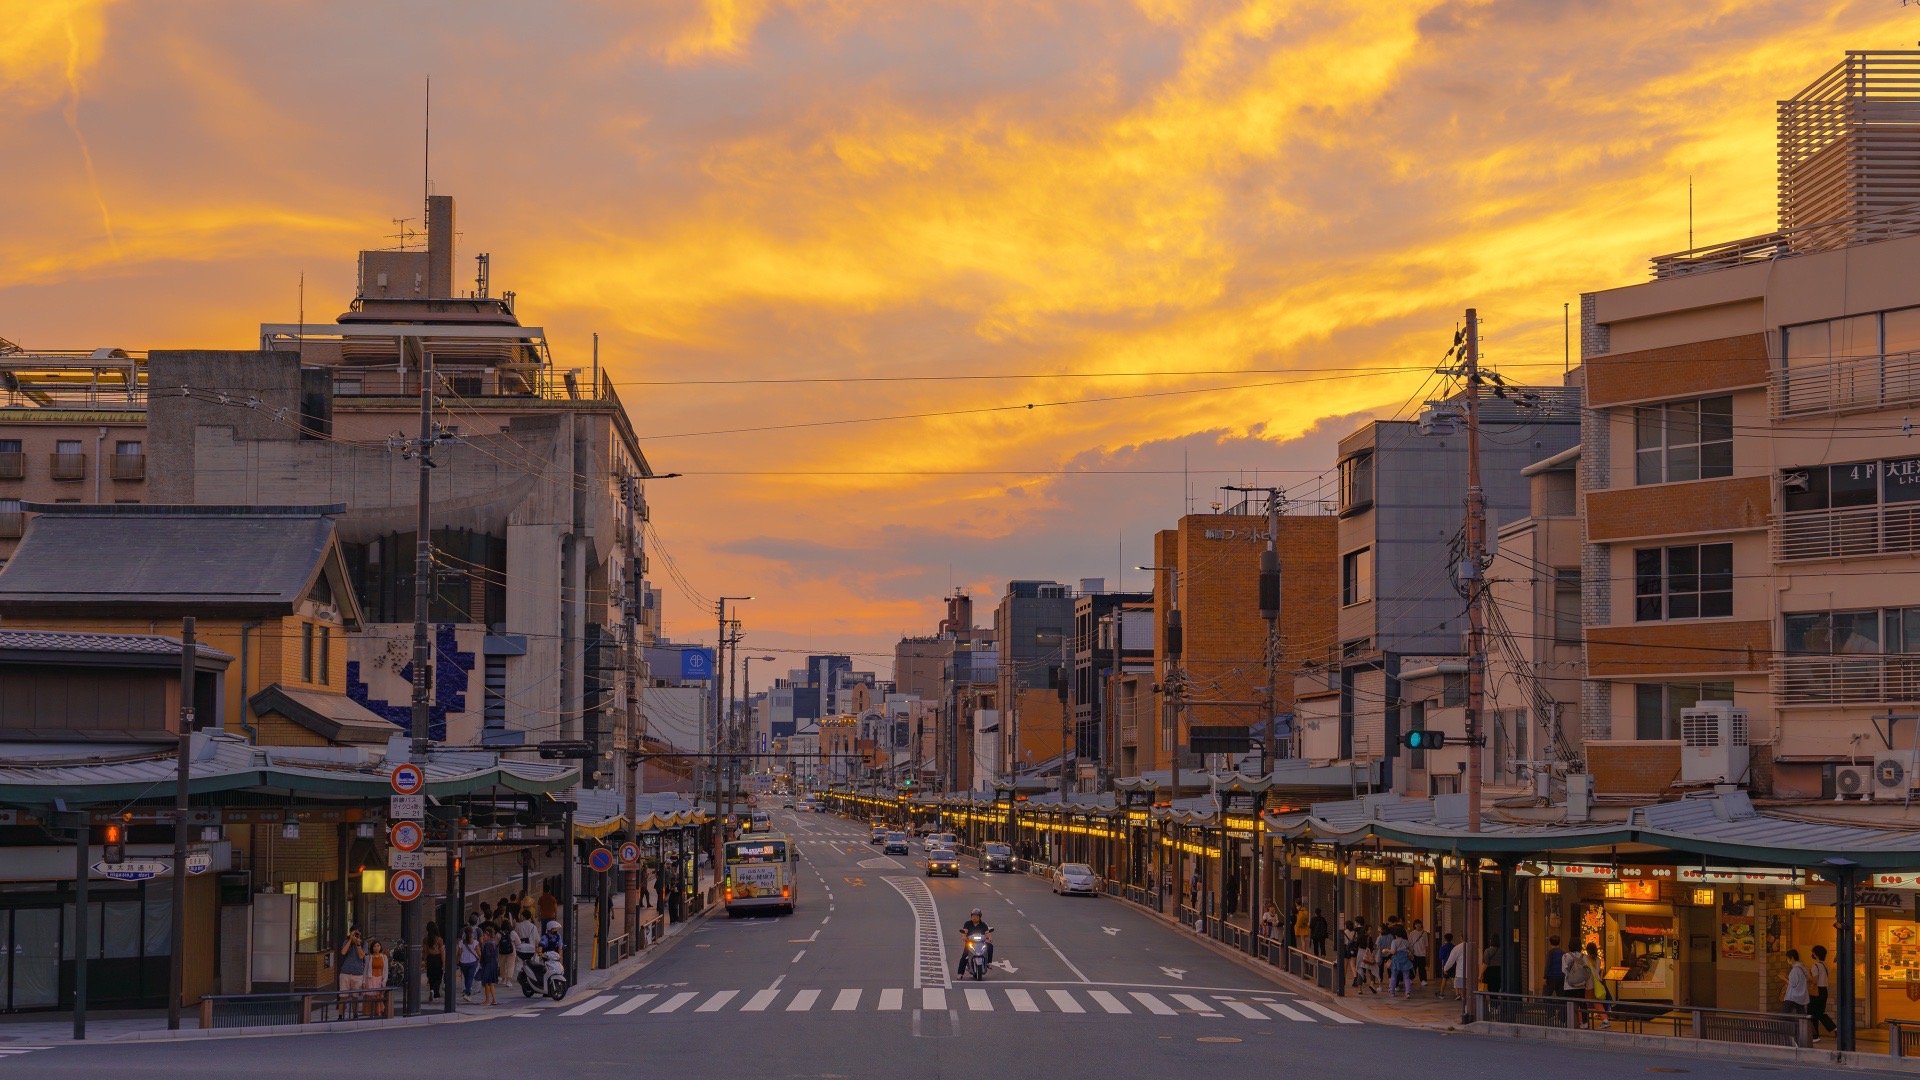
x: 1264, y: 1007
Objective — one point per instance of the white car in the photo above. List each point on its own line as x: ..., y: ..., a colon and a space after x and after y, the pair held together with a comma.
x: 1076, y: 878
x: 942, y: 840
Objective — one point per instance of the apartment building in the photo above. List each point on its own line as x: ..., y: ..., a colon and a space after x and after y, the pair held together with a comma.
x: 1031, y: 628
x: 72, y: 430
x: 1099, y: 653
x: 1207, y: 568
x: 1401, y: 512
x: 1750, y: 480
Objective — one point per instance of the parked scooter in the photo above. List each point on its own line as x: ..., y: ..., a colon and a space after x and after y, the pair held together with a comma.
x: 977, y: 955
x: 543, y: 974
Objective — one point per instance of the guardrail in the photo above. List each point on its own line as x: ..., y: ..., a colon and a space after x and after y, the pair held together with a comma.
x: 1637, y: 1017
x: 294, y: 1007
x: 1323, y: 971
x: 1903, y: 1038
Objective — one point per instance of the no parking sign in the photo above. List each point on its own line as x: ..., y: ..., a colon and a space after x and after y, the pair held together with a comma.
x: 601, y: 860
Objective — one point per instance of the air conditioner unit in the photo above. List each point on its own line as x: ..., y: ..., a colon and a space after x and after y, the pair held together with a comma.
x: 1852, y: 782
x: 1893, y: 774
x: 1713, y: 744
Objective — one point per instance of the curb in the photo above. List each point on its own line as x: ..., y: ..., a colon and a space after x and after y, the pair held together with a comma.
x: 1698, y: 1048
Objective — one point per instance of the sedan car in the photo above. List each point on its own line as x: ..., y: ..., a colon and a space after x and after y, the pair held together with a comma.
x: 1075, y: 878
x: 787, y: 804
x: 996, y: 858
x: 879, y: 835
x: 896, y: 844
x: 942, y: 840
x: 943, y: 861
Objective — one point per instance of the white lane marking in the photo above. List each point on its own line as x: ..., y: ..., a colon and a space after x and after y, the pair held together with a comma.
x: 848, y: 1001
x: 891, y: 1000
x: 978, y: 1001
x: 1022, y: 1001
x: 1288, y: 1011
x: 797, y: 956
x: 631, y: 1004
x: 933, y: 999
x: 1247, y: 1011
x: 588, y: 1006
x: 759, y: 1001
x: 823, y: 921
x: 1063, y: 956
x: 775, y: 984
x: 1109, y: 1002
x: 1329, y: 1013
x: 1154, y: 1005
x: 1064, y: 1000
x: 718, y: 1001
x: 929, y: 943
x: 803, y: 1000
x: 1194, y: 1003
x: 673, y: 1003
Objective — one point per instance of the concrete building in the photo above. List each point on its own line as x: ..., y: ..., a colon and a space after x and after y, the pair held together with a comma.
x: 1401, y: 511
x: 72, y: 430
x: 1031, y: 628
x: 1099, y: 652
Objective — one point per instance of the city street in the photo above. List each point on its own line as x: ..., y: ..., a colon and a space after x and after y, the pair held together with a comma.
x: 857, y: 983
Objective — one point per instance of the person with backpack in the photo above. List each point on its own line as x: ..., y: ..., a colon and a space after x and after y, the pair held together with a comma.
x: 1555, y: 977
x: 1400, y: 967
x: 1576, y: 978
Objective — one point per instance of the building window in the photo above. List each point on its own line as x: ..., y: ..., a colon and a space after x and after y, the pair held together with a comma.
x: 126, y: 448
x: 326, y: 655
x: 1656, y: 706
x: 1690, y: 581
x: 1566, y: 606
x: 307, y: 928
x: 306, y: 652
x: 1845, y: 633
x: 1356, y: 577
x: 67, y: 446
x: 1453, y: 690
x: 1356, y: 482
x: 1683, y: 440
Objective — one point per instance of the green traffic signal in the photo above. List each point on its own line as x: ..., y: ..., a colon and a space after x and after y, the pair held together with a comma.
x: 1419, y: 739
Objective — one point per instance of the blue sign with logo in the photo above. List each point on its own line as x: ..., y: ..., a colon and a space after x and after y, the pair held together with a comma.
x: 696, y: 665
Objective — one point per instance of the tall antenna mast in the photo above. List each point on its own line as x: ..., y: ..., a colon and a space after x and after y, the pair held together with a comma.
x: 426, y: 150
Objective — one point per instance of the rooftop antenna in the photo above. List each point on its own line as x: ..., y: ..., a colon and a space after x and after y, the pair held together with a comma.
x: 1689, y: 211
x: 1566, y: 337
x: 426, y: 149
x: 300, y: 343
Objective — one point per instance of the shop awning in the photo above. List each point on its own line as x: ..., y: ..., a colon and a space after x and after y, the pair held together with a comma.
x: 600, y: 813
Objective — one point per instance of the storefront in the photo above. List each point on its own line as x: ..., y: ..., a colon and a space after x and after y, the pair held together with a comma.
x: 1886, y: 943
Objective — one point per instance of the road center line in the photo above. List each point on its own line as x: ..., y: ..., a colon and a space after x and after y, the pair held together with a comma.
x: 797, y: 956
x: 1063, y: 956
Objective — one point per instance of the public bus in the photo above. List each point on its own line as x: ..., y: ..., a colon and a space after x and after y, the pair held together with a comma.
x: 761, y: 875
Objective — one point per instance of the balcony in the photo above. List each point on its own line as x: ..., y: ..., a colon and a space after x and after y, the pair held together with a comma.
x: 1852, y: 384
x: 1883, y: 529
x: 68, y: 466
x: 13, y: 465
x: 1846, y: 680
x: 129, y: 466
x: 12, y: 524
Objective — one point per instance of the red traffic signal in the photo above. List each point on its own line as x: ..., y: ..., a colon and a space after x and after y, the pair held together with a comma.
x: 113, y: 838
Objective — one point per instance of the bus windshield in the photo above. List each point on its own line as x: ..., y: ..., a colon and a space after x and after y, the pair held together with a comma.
x: 756, y: 851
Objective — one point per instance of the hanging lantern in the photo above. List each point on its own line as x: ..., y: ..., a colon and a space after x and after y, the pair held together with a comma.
x: 1703, y: 897
x: 1796, y: 901
x: 1550, y: 886
x: 1616, y: 890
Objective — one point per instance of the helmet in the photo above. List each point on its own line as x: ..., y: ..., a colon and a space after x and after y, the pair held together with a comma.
x: 553, y: 924
x: 976, y: 911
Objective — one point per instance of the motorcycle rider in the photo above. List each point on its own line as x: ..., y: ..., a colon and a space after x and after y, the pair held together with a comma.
x: 976, y: 923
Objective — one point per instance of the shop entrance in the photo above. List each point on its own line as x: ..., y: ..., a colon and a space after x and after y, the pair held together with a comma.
x: 129, y: 932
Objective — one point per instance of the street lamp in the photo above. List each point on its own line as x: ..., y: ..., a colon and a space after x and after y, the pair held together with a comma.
x: 713, y: 766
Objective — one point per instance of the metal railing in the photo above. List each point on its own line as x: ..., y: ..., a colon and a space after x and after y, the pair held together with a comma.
x: 13, y: 465
x: 1846, y: 680
x: 1805, y: 239
x: 296, y: 1007
x: 1882, y: 529
x: 67, y: 466
x: 1324, y: 971
x: 1642, y: 1017
x: 128, y: 466
x: 1847, y: 384
x: 13, y: 524
x: 1903, y: 1038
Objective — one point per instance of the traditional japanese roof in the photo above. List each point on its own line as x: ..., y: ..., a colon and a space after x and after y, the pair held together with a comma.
x: 334, y: 717
x: 59, y: 646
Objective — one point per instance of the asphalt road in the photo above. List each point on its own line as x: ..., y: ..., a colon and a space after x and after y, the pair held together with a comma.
x: 858, y: 982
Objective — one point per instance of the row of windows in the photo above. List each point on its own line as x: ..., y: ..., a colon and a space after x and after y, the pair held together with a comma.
x: 1852, y: 484
x: 126, y: 447
x: 316, y: 652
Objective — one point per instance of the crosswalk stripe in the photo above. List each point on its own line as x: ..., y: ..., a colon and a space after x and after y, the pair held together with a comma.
x: 1022, y: 1001
x: 1287, y: 1011
x: 1194, y: 1003
x: 759, y: 1001
x: 673, y: 1003
x: 848, y: 1001
x: 1154, y: 1005
x: 803, y: 1001
x: 1247, y: 1011
x: 1109, y: 1002
x: 890, y: 1000
x: 933, y: 999
x: 631, y: 1004
x: 1066, y: 1001
x: 1329, y: 1013
x: 588, y: 1006
x: 718, y: 1001
x: 978, y: 1001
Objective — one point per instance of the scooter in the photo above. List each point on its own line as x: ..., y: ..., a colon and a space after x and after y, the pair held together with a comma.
x: 543, y: 975
x: 977, y: 955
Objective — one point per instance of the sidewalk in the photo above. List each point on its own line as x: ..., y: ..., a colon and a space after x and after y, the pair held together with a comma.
x: 56, y: 1029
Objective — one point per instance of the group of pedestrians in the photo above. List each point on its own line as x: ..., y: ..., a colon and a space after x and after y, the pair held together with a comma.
x: 1808, y: 988
x: 1578, y: 973
x: 364, y: 965
x: 1394, y: 955
x: 485, y: 950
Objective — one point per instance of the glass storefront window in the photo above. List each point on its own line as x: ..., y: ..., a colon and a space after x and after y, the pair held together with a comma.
x: 306, y: 916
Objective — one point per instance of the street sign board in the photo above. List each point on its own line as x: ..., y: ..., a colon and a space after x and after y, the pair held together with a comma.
x: 407, y: 778
x: 406, y: 860
x: 601, y: 860
x: 629, y: 853
x: 564, y: 749
x: 696, y: 665
x: 406, y: 835
x: 134, y: 869
x: 1218, y: 739
x: 401, y: 807
x: 405, y: 885
x: 199, y: 862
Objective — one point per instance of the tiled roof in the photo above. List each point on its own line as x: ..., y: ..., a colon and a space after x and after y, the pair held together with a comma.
x: 125, y: 644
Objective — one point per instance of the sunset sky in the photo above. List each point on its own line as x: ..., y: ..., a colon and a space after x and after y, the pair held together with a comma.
x: 1296, y: 200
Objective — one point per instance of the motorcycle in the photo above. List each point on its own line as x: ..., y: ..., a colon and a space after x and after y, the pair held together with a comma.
x: 543, y: 974
x: 977, y: 955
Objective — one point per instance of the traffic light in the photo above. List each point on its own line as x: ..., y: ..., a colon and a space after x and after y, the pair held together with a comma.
x: 113, y: 837
x: 1419, y: 739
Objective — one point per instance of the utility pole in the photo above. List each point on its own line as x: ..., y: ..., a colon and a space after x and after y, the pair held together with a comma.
x: 1270, y: 610
x: 713, y: 757
x: 1471, y: 576
x: 177, y: 962
x: 419, y: 728
x: 630, y: 880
